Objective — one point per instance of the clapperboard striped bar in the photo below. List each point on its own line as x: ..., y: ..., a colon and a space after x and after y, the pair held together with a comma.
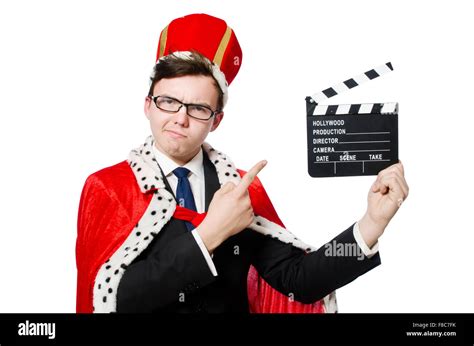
x: 351, y: 83
x: 363, y: 108
x: 351, y: 139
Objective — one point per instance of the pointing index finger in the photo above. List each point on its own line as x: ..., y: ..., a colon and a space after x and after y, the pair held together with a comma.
x: 249, y: 177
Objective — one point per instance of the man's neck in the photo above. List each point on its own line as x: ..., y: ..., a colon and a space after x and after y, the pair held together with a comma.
x: 179, y: 161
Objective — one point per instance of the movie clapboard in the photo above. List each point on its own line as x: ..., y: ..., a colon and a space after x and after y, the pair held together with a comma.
x: 351, y: 139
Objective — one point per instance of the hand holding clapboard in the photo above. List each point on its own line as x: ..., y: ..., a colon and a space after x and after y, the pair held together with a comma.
x: 352, y: 139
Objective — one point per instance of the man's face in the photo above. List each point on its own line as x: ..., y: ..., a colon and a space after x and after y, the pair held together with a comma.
x: 176, y: 134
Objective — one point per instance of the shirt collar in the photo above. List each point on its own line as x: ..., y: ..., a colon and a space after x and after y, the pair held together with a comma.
x: 195, y: 165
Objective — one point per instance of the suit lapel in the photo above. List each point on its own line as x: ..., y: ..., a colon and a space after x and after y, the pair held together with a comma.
x: 211, y: 181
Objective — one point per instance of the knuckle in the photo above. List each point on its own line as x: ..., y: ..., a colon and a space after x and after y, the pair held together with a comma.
x: 391, y: 177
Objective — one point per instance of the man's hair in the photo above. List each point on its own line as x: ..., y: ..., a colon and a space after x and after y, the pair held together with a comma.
x: 173, y: 66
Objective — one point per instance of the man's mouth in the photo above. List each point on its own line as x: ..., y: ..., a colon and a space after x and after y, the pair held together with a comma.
x: 175, y: 134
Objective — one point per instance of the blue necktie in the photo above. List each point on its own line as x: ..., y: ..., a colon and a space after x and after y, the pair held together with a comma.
x: 184, y: 195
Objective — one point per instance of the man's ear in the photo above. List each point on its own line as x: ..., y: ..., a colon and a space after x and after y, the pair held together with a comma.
x: 217, y: 120
x: 146, y: 107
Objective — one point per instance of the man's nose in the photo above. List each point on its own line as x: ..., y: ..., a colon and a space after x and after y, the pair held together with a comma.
x: 182, y: 117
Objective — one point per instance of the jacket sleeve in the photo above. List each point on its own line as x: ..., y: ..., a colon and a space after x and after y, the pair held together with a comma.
x: 308, y: 277
x: 166, y: 274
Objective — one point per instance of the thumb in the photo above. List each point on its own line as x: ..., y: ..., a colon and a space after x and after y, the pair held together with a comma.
x: 375, y: 187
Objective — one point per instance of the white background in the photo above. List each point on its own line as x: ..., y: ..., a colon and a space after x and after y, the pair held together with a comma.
x: 73, y: 76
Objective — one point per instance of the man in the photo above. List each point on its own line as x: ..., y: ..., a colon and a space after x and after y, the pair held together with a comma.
x: 144, y: 242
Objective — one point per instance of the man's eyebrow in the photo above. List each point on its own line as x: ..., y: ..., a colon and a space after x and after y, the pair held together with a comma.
x: 204, y: 103
x: 201, y: 104
x: 167, y: 95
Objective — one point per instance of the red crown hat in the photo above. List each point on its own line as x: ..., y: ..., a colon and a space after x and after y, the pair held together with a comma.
x: 209, y: 36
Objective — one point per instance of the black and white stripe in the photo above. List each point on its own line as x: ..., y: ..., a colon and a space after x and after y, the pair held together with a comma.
x: 351, y: 83
x: 362, y: 108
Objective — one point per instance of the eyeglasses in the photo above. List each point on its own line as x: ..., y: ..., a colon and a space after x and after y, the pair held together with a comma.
x: 169, y: 104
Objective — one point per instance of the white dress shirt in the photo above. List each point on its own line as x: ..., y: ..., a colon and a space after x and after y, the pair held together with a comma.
x: 197, y: 182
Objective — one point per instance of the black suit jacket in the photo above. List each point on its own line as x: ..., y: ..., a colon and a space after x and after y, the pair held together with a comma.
x: 172, y: 275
